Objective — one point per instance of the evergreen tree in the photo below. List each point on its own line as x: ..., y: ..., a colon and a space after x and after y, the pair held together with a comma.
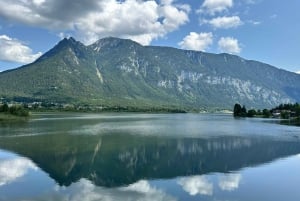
x: 237, y: 110
x: 4, y: 108
x: 244, y: 111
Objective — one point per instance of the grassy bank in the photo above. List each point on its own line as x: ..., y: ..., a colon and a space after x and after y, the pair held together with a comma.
x: 9, y: 117
x: 13, y: 113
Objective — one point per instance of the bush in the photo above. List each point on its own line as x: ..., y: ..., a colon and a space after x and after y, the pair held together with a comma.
x: 4, y: 108
x: 285, y: 115
x: 14, y: 110
x: 266, y: 113
x: 251, y: 113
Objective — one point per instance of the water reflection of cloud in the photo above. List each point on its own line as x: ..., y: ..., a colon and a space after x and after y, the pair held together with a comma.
x: 147, y: 192
x: 12, y: 169
x: 196, y: 185
x: 229, y: 182
x: 84, y: 190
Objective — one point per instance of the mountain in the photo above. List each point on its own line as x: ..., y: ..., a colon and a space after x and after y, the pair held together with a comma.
x: 118, y: 72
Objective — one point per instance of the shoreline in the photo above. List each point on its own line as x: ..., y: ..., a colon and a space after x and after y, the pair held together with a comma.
x: 10, y: 118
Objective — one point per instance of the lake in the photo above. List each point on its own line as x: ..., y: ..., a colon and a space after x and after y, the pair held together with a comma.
x: 132, y: 156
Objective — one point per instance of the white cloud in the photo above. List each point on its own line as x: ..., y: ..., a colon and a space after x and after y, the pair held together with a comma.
x: 185, y: 7
x: 254, y: 22
x: 16, y: 51
x: 12, y: 169
x: 224, y: 22
x: 197, y: 41
x: 84, y: 190
x: 142, y: 21
x: 298, y: 72
x: 230, y: 182
x: 229, y: 45
x: 141, y: 186
x: 215, y: 6
x: 38, y: 2
x: 196, y: 185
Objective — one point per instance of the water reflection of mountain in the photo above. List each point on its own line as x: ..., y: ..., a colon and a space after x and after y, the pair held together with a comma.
x: 124, y: 159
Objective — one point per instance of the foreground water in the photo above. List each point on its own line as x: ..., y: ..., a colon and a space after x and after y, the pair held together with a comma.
x: 148, y: 157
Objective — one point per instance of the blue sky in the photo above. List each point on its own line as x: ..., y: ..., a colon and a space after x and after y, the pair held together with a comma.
x: 263, y: 30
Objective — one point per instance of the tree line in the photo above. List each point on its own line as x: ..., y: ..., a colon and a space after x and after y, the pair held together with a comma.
x: 16, y: 110
x: 284, y: 111
x: 241, y: 111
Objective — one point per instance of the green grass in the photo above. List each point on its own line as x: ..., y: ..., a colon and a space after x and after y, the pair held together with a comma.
x: 8, y: 117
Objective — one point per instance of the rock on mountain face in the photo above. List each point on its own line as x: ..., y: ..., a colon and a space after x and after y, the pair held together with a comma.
x: 118, y: 72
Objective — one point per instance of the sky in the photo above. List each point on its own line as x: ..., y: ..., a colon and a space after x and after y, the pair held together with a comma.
x: 262, y: 30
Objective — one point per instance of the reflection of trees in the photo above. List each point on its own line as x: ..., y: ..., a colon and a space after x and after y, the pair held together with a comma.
x: 115, y: 160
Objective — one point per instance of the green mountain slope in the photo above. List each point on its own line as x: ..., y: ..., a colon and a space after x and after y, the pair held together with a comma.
x: 117, y: 72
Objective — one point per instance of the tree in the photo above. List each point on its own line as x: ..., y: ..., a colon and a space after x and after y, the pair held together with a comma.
x: 266, y: 113
x: 297, y: 109
x: 4, y: 108
x: 237, y: 110
x: 16, y: 110
x: 259, y: 112
x: 285, y: 115
x: 251, y: 113
x: 244, y: 111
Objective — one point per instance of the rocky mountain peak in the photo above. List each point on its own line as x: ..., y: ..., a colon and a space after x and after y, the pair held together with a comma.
x: 112, y: 42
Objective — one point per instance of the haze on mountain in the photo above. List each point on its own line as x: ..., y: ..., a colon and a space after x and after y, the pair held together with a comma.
x: 119, y: 72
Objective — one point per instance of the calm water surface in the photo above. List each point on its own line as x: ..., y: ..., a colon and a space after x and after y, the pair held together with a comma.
x: 123, y: 156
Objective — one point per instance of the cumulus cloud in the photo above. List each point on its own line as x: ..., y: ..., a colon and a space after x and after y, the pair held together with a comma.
x: 229, y: 45
x: 84, y: 190
x: 12, y: 169
x: 224, y: 22
x: 215, y: 6
x: 142, y: 21
x: 197, y: 41
x: 196, y: 185
x: 16, y: 51
x: 230, y: 182
x: 48, y: 14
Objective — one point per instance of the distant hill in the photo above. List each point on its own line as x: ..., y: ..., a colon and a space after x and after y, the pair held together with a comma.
x: 118, y: 72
